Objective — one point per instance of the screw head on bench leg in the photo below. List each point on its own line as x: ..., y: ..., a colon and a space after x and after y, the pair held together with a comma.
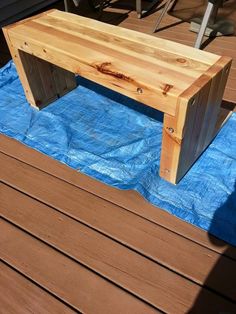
x: 171, y: 130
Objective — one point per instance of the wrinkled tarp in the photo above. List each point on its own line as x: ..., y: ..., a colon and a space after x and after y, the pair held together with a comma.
x: 107, y: 136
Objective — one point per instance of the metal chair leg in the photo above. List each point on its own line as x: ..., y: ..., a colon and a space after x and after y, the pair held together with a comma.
x: 203, y: 26
x: 163, y: 12
x: 66, y: 5
x: 139, y: 8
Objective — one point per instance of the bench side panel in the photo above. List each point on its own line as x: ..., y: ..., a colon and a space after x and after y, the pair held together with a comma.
x: 186, y: 135
x: 43, y: 82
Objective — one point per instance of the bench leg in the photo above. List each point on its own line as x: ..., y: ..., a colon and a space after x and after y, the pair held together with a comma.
x: 187, y: 134
x: 42, y: 81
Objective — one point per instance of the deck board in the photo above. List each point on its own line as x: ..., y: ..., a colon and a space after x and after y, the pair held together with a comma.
x: 129, y: 200
x: 64, y: 219
x: 72, y: 244
x: 154, y: 242
x: 23, y: 294
x: 115, y: 262
x: 68, y: 280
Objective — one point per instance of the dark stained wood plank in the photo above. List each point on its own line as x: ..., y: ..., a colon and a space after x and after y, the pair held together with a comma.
x: 122, y: 266
x: 147, y: 238
x: 128, y: 269
x: 19, y: 295
x: 63, y: 277
x: 127, y: 199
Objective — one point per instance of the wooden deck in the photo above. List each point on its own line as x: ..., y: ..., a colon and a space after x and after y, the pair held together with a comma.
x: 69, y: 244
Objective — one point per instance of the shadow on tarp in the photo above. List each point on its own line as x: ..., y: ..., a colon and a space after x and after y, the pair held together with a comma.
x: 121, y: 99
x: 98, y: 132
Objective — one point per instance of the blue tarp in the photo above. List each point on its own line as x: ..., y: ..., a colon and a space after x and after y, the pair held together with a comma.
x: 117, y: 141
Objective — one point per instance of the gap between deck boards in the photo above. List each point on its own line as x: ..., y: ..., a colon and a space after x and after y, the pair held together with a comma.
x: 130, y: 200
x: 21, y: 176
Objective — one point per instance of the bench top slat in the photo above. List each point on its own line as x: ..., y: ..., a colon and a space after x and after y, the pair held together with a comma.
x: 149, y: 69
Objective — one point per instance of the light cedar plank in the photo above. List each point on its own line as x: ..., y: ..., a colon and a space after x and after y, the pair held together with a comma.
x: 128, y: 62
x: 174, y: 148
x: 139, y: 50
x: 129, y: 270
x: 129, y: 200
x: 154, y: 68
x: 108, y: 71
x: 178, y: 148
x: 24, y: 62
x: 20, y: 68
x: 37, y: 77
x: 148, y: 30
x: 221, y: 48
x: 213, y: 104
x: 63, y: 277
x: 187, y: 141
x: 139, y: 37
x: 19, y: 295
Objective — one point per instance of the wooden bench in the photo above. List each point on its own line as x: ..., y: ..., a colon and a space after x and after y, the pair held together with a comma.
x: 184, y: 83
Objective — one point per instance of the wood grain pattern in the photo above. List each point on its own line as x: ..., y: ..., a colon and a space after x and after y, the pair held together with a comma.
x: 120, y: 60
x: 186, y: 135
x: 148, y: 263
x: 19, y: 295
x: 129, y: 200
x: 162, y: 246
x: 63, y: 277
x: 131, y: 271
x: 43, y: 82
x: 117, y: 223
x: 104, y: 55
x: 175, y: 30
x: 109, y: 70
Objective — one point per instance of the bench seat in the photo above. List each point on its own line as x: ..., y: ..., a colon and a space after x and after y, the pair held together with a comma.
x: 186, y: 84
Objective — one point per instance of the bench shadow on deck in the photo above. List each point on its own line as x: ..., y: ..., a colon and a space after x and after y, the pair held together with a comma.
x: 70, y: 243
